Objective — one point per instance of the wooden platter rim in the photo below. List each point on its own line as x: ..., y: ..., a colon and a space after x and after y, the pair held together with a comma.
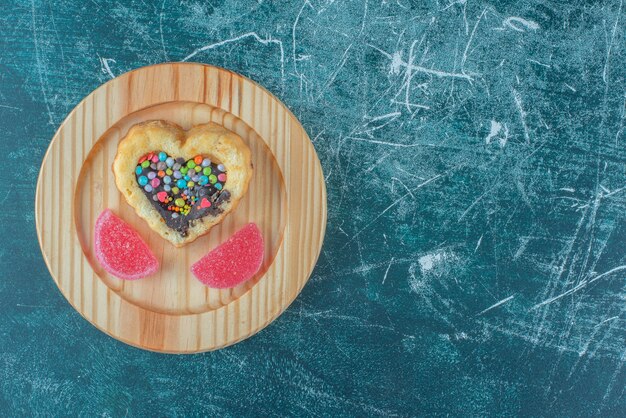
x: 270, y: 316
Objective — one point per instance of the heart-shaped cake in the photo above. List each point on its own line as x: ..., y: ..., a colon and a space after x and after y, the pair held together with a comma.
x: 182, y: 182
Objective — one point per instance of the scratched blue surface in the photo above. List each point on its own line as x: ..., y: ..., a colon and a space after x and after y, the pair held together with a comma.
x: 474, y: 260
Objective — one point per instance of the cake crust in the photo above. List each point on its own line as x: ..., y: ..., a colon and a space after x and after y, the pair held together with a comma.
x: 211, y: 140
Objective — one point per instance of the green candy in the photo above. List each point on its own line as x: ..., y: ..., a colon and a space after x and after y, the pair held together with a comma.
x: 191, y: 164
x: 180, y: 202
x: 213, y: 178
x: 145, y: 164
x: 184, y: 170
x: 169, y: 172
x: 206, y: 171
x: 175, y: 190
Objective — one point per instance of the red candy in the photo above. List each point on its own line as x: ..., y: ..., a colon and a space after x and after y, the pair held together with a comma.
x: 120, y: 250
x: 232, y: 262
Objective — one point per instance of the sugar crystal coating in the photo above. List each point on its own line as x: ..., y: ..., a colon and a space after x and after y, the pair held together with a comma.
x: 120, y: 250
x: 232, y: 262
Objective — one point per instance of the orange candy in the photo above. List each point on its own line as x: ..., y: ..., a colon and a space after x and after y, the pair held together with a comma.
x: 198, y: 159
x: 161, y: 173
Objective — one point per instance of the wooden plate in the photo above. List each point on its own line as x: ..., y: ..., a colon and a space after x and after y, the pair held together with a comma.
x: 171, y: 311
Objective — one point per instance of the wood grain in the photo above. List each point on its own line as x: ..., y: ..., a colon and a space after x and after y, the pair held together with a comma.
x: 172, y: 312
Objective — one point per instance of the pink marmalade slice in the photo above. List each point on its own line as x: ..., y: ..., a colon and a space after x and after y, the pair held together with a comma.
x: 120, y: 250
x: 232, y: 262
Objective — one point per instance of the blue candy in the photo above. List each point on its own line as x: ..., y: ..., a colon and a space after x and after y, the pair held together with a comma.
x: 181, y: 184
x: 143, y: 180
x: 138, y: 170
x: 162, y: 156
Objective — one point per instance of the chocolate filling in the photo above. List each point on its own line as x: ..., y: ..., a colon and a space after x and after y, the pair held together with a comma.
x: 164, y: 199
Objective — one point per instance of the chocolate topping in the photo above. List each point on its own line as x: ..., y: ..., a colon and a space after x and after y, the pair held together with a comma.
x: 182, y: 191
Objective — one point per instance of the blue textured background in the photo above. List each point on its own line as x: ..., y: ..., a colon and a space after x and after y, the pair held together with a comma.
x: 474, y: 259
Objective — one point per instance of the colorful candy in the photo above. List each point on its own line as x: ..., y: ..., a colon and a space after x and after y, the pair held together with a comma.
x: 179, y: 186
